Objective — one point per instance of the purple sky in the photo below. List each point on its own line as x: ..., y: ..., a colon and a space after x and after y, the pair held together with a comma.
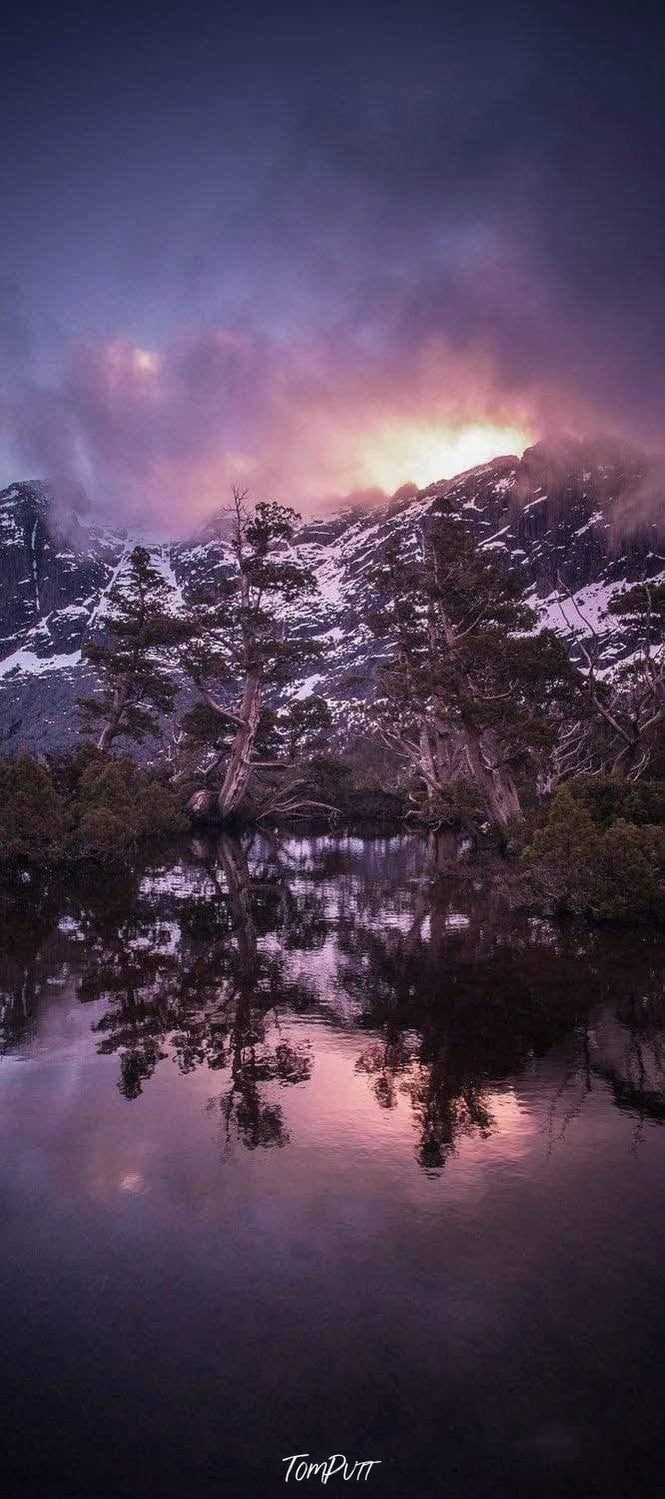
x: 323, y: 248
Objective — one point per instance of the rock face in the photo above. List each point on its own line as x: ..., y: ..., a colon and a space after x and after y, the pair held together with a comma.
x: 552, y: 517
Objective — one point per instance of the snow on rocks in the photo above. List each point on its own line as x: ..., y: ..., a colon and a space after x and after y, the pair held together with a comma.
x: 550, y: 522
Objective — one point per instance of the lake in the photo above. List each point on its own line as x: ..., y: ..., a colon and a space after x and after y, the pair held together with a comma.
x: 310, y: 1146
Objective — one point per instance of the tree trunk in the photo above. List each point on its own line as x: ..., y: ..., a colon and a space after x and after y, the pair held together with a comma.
x: 200, y: 806
x: 495, y: 784
x: 428, y: 767
x: 113, y: 725
x: 109, y: 733
x: 239, y: 768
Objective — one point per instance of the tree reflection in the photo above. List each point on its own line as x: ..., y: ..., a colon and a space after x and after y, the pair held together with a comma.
x: 32, y: 955
x: 457, y: 1009
x: 633, y: 1078
x: 128, y: 965
x: 202, y: 986
x: 411, y: 947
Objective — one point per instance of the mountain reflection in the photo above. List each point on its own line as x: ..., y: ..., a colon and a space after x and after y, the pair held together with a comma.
x: 233, y: 958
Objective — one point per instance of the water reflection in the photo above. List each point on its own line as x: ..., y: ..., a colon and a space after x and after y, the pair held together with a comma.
x: 404, y: 944
x: 309, y: 1145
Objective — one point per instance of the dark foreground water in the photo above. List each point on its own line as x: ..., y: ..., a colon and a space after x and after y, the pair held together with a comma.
x: 307, y: 1147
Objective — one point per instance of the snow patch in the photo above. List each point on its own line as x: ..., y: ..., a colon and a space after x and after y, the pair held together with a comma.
x: 37, y: 666
x: 307, y: 687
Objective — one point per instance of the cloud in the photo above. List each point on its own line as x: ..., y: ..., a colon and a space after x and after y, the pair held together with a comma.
x: 322, y: 256
x: 158, y: 436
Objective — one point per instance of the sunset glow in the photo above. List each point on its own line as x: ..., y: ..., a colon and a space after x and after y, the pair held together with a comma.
x: 423, y: 454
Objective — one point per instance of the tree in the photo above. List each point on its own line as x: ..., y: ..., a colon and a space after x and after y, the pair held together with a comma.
x: 627, y: 704
x: 137, y: 682
x: 472, y: 692
x: 243, y: 644
x: 308, y: 723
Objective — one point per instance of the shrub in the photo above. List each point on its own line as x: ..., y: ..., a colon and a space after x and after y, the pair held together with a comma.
x: 32, y: 814
x: 118, y: 805
x: 609, y: 797
x: 632, y: 866
x: 612, y: 870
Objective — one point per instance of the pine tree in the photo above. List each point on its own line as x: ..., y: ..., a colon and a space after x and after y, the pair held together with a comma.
x: 33, y: 814
x: 638, y: 689
x: 472, y: 692
x: 308, y: 723
x: 243, y: 644
x: 626, y: 706
x: 137, y: 681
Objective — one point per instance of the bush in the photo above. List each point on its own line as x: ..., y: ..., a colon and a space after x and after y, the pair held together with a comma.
x: 83, y: 805
x: 336, y: 782
x: 611, y: 870
x: 33, y: 824
x: 118, y: 805
x: 633, y: 865
x: 609, y: 797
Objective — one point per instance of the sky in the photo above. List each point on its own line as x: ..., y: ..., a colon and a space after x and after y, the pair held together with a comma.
x: 322, y: 250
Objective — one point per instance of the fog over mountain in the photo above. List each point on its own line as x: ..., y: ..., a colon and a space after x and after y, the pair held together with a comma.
x: 323, y: 250
x: 555, y: 516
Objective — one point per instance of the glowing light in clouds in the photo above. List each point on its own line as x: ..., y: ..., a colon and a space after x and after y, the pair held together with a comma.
x: 426, y: 453
x: 145, y: 362
x: 161, y: 435
x: 123, y: 361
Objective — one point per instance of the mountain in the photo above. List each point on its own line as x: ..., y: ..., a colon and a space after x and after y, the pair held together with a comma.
x: 554, y: 516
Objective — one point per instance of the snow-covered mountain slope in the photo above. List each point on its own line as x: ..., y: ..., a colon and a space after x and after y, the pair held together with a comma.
x: 555, y: 518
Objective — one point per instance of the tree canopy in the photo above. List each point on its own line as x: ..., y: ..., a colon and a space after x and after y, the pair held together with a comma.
x: 137, y: 682
x: 472, y: 691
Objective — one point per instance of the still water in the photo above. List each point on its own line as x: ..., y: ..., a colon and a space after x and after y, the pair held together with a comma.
x: 310, y: 1147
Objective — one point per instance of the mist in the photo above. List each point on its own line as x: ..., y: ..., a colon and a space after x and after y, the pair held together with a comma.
x: 322, y: 256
